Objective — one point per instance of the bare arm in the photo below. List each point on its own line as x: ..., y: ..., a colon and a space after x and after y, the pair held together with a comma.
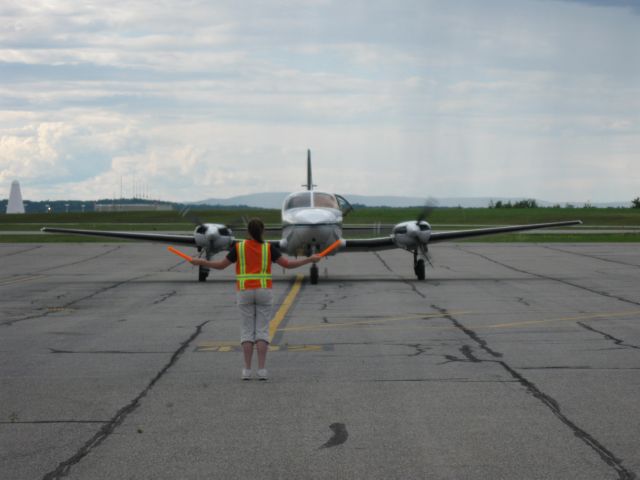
x: 298, y: 262
x: 217, y: 264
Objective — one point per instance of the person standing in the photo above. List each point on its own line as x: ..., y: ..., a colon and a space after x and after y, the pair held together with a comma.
x: 253, y: 258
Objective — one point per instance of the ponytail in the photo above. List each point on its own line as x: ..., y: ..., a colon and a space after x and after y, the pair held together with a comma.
x: 256, y: 228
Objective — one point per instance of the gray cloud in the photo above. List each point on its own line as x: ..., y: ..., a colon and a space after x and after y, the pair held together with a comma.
x: 469, y: 99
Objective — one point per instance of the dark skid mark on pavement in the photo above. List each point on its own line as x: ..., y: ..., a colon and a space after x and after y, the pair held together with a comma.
x: 340, y: 435
x: 607, y: 456
x: 559, y: 280
x: 615, y: 340
x: 64, y: 467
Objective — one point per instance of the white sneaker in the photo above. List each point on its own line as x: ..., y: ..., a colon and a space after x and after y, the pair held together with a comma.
x: 262, y: 374
x: 246, y: 374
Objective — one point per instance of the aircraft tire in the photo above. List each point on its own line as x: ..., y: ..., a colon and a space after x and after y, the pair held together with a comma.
x: 313, y: 274
x: 420, y: 269
x: 203, y: 273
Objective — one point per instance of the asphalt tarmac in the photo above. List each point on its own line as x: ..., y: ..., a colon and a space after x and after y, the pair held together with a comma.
x: 511, y: 361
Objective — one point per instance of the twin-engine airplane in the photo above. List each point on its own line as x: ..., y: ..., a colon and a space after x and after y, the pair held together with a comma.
x: 311, y: 221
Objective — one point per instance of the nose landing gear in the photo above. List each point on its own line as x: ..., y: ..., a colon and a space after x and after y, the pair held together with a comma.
x: 313, y: 274
x: 203, y: 273
x: 418, y: 266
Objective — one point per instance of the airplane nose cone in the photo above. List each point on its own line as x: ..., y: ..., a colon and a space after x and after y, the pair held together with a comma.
x: 315, y: 217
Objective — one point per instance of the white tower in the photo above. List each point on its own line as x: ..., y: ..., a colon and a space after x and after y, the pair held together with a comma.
x: 15, y: 204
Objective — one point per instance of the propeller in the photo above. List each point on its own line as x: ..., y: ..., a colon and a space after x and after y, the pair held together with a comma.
x: 186, y: 213
x: 202, y: 227
x: 430, y: 205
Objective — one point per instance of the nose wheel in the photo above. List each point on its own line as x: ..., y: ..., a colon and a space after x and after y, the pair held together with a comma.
x: 418, y: 266
x: 313, y: 274
x: 203, y: 273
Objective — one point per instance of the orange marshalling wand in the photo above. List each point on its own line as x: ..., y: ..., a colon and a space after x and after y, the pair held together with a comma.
x: 180, y: 254
x: 330, y: 248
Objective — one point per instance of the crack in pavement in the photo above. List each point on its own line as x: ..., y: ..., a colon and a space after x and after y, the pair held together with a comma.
x: 80, y: 261
x: 386, y: 265
x: 608, y: 336
x: 64, y: 467
x: 591, y: 256
x: 470, y: 333
x: 411, y: 285
x: 605, y: 454
x: 577, y: 367
x: 45, y: 422
x: 20, y: 251
x: 47, y: 312
x: 164, y: 297
x: 559, y: 280
x: 438, y: 380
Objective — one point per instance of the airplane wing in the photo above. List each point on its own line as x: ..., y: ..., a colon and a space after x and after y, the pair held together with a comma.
x: 443, y: 236
x: 369, y: 244
x: 387, y: 243
x: 149, y: 237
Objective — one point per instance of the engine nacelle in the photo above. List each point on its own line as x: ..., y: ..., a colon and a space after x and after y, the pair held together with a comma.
x: 411, y: 234
x: 213, y: 237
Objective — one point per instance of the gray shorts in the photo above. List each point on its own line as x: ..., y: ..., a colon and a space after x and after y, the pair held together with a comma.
x: 255, y: 309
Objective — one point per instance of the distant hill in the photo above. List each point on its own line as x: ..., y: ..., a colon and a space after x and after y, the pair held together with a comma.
x: 275, y: 199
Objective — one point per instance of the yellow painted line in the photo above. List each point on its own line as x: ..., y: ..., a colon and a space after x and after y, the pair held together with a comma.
x: 20, y: 280
x: 562, y: 319
x: 286, y: 305
x: 372, y: 321
x: 380, y: 323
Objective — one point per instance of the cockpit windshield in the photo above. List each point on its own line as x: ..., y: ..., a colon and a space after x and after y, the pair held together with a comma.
x: 324, y: 200
x: 303, y: 200
x: 298, y: 200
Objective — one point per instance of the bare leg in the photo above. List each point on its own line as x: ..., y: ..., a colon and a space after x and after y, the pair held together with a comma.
x: 247, y: 349
x: 262, y: 353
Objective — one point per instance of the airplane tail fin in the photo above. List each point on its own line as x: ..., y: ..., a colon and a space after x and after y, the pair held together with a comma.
x: 309, y: 184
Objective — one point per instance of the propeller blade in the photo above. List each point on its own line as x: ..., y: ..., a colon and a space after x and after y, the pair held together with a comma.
x: 186, y: 213
x: 429, y: 206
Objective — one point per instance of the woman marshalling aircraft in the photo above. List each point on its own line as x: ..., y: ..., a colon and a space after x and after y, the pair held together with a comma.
x: 311, y: 221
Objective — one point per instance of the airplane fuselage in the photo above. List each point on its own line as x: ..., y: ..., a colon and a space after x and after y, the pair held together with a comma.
x: 311, y: 221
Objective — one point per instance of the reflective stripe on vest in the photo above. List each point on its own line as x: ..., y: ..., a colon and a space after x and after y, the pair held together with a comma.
x: 253, y: 269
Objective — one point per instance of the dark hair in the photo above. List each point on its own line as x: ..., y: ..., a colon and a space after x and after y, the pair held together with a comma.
x: 255, y: 228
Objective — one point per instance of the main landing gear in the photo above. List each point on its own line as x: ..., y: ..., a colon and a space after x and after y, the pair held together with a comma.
x: 418, y: 266
x: 313, y: 274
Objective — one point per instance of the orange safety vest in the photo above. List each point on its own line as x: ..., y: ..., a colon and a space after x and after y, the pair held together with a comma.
x: 253, y: 267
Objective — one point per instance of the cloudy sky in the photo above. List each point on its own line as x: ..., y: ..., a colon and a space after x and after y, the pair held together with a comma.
x: 189, y: 99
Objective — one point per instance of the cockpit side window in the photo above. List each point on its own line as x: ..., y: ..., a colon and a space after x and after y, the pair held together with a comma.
x: 324, y: 200
x: 298, y: 200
